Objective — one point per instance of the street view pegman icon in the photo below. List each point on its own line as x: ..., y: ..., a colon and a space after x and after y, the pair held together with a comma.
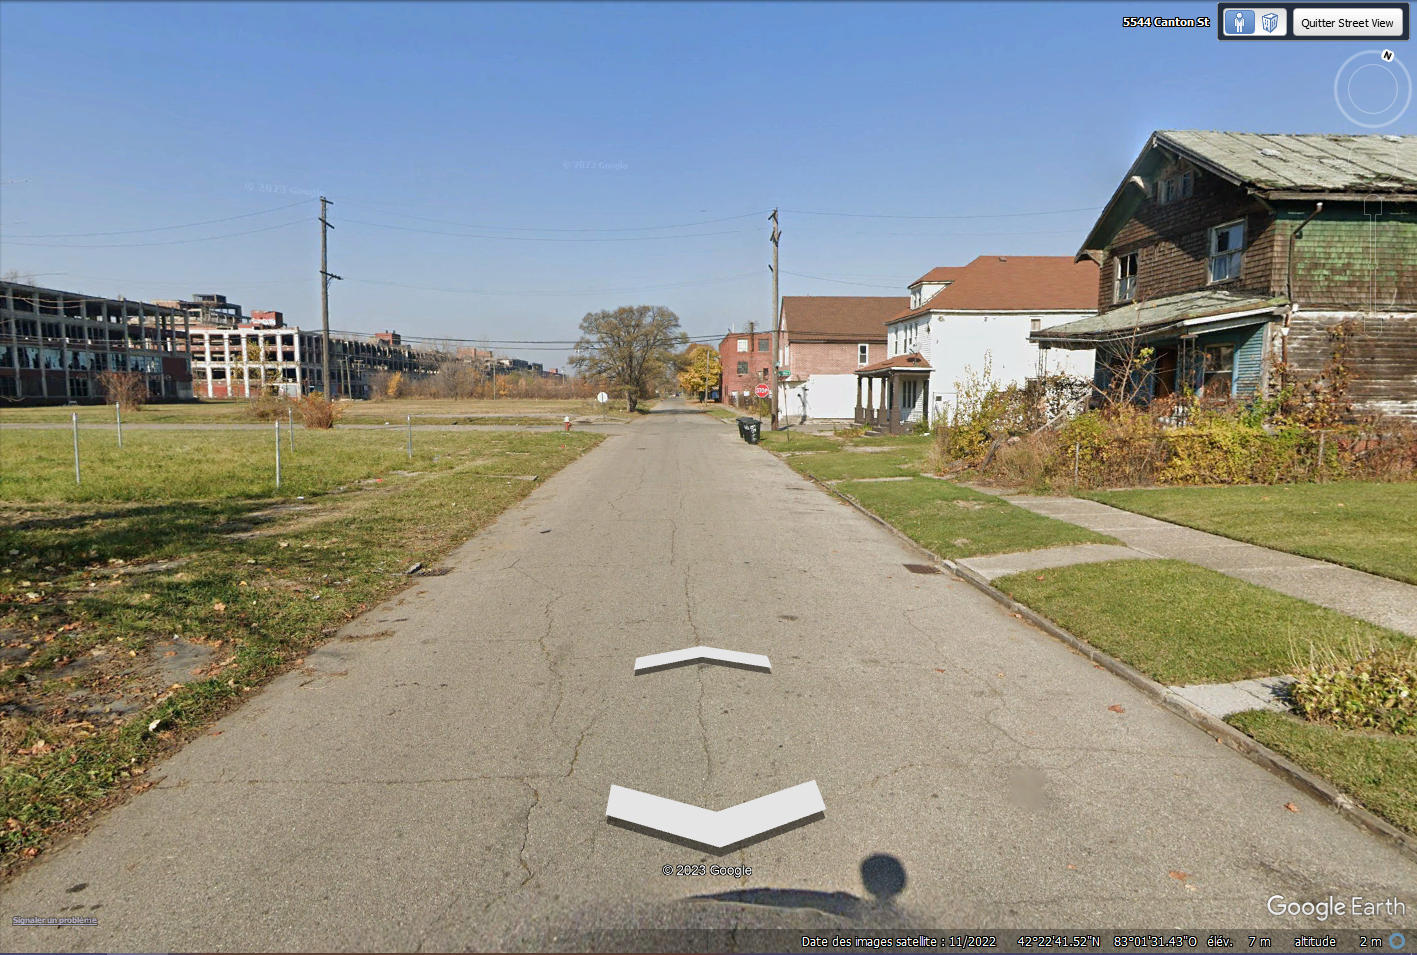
x: 1239, y: 22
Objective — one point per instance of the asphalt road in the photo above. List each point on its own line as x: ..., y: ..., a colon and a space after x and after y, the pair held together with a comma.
x: 437, y: 778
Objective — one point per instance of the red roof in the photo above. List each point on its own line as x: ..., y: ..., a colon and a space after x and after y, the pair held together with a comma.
x: 1016, y: 283
x: 944, y: 273
x: 912, y: 362
x: 841, y: 318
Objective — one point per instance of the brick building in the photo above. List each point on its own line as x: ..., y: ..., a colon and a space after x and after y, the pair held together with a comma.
x: 824, y: 339
x: 1227, y: 253
x: 746, y: 359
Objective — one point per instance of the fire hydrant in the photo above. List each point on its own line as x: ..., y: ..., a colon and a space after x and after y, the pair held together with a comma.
x: 568, y: 422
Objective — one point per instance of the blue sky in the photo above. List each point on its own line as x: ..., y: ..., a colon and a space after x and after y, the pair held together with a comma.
x: 118, y: 117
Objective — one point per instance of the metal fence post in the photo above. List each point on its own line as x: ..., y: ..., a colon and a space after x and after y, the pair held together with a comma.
x: 1321, y: 457
x: 410, y: 437
x: 118, y: 411
x: 78, y: 477
x: 277, y: 454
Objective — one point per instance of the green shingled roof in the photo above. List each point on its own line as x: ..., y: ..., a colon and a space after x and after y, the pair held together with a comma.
x: 1157, y: 314
x: 1303, y: 162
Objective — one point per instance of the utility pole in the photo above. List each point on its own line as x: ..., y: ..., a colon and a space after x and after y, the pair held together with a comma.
x: 706, y: 374
x: 776, y: 318
x: 325, y: 277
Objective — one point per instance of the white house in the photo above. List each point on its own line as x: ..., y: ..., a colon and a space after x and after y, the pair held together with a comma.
x: 964, y: 318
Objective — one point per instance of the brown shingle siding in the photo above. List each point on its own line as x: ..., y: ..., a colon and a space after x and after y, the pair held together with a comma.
x: 1172, y: 242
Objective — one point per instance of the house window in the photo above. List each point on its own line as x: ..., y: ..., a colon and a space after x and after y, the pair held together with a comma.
x: 1126, y: 284
x: 742, y: 368
x: 1227, y: 242
x: 1171, y: 189
x: 862, y: 353
x: 762, y: 344
x: 742, y: 344
x: 1219, y: 371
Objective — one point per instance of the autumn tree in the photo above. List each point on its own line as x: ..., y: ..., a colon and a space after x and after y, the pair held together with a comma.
x: 699, y: 369
x: 631, y: 348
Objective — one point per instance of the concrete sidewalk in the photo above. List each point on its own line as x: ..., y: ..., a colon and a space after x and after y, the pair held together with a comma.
x: 1387, y: 603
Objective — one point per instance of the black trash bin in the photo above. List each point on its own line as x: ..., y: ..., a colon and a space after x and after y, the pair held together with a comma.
x: 752, y: 428
x: 743, y: 426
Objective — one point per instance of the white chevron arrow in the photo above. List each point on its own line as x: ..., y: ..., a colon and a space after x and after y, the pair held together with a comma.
x: 717, y: 829
x: 657, y: 660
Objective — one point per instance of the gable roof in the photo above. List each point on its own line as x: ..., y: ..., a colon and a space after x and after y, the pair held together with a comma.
x: 1306, y: 166
x: 840, y: 318
x: 1015, y: 283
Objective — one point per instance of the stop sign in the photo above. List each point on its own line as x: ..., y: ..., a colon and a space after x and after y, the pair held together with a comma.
x: 761, y: 391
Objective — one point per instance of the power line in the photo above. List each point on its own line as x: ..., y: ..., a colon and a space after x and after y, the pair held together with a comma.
x: 530, y: 238
x: 521, y: 292
x: 989, y: 215
x: 823, y: 278
x: 966, y: 234
x: 500, y: 228
x: 140, y: 245
x: 162, y: 228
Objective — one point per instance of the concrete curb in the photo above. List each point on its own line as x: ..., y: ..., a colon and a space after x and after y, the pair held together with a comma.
x: 1223, y: 732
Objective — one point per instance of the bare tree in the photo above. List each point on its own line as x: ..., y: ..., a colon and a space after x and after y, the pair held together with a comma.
x: 631, y: 348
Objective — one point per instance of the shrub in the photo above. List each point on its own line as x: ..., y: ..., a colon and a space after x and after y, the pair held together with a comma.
x: 127, y: 388
x: 1378, y: 692
x: 317, y: 411
x: 266, y: 407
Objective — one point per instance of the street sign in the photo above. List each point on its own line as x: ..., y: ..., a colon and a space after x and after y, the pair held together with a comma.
x: 784, y: 373
x: 762, y: 391
x: 602, y: 397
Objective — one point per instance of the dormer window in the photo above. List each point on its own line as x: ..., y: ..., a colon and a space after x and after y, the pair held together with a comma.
x: 1125, y: 287
x: 1172, y: 188
x: 915, y: 298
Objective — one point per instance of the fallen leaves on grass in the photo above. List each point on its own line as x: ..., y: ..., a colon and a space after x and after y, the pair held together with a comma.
x: 218, y: 606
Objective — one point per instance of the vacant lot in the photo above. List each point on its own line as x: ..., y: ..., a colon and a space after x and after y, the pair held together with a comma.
x: 1183, y: 624
x: 954, y: 521
x: 1367, y: 526
x: 137, y: 607
x: 225, y: 465
x: 434, y: 411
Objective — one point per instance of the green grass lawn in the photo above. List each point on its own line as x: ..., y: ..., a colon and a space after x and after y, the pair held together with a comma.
x: 1182, y: 624
x: 954, y: 521
x: 849, y: 465
x: 192, y: 465
x: 1368, y: 526
x: 1379, y: 771
x: 798, y: 441
x: 87, y: 615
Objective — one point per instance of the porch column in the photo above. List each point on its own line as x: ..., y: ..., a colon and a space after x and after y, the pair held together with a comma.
x: 858, y: 398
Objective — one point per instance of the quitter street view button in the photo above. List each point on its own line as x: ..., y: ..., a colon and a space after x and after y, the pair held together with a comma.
x: 1355, y: 22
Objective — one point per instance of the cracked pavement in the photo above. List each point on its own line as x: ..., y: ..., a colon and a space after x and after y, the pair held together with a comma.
x: 448, y: 791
